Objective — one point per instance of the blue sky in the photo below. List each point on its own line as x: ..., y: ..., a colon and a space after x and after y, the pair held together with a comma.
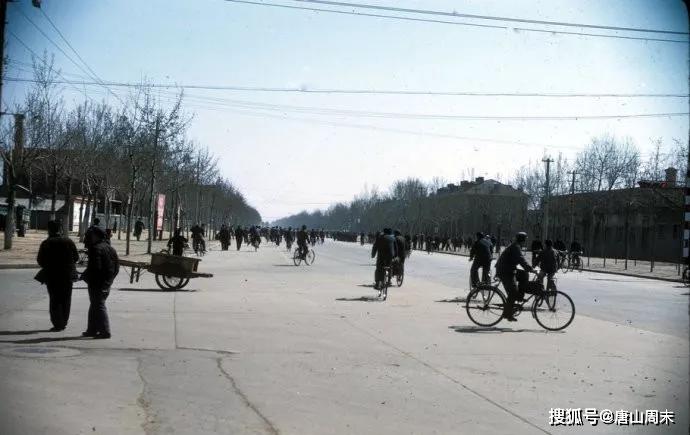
x: 285, y: 160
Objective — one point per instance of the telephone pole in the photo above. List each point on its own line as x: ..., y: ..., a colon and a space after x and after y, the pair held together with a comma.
x: 572, y: 206
x: 545, y: 201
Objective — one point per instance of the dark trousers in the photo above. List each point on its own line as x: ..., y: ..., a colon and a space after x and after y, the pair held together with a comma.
x: 511, y: 288
x: 379, y: 274
x: 239, y: 243
x: 98, y: 315
x: 60, y: 294
x: 474, y: 271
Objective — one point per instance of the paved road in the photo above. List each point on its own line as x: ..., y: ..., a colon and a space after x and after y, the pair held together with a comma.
x: 266, y: 347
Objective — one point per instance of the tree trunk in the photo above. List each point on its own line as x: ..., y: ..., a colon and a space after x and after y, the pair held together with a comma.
x: 152, y: 187
x: 67, y: 220
x: 54, y: 190
x: 11, y: 207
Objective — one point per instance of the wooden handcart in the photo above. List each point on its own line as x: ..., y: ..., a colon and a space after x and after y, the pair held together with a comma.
x: 172, y: 272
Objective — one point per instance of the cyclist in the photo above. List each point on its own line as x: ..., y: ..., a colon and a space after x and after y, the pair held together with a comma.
x: 400, y: 250
x: 384, y: 251
x: 575, y: 251
x: 480, y: 255
x: 548, y: 264
x: 303, y: 241
x: 506, y: 268
x: 177, y: 242
x: 254, y: 237
x: 536, y: 249
x: 198, y: 238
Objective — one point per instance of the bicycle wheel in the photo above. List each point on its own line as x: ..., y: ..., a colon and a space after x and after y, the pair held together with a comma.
x: 309, y: 258
x: 553, y: 310
x: 296, y: 258
x: 399, y: 278
x: 384, y: 289
x: 484, y: 306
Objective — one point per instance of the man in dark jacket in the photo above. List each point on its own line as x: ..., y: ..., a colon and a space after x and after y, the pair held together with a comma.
x: 400, y: 248
x: 57, y: 257
x: 480, y: 255
x: 177, y: 243
x: 224, y: 237
x: 239, y: 236
x: 99, y: 275
x: 505, y: 270
x: 548, y: 263
x: 384, y: 250
x: 536, y: 248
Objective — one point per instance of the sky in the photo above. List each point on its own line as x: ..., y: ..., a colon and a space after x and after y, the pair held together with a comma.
x: 308, y: 150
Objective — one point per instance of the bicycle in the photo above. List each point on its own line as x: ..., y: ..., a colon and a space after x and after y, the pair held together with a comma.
x: 553, y: 309
x: 255, y: 243
x: 308, y: 257
x: 383, y: 285
x: 575, y: 261
x: 199, y: 247
x: 398, y: 270
x: 83, y: 257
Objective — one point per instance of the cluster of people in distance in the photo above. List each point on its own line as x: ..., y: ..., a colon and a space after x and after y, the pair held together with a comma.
x: 248, y: 235
x: 58, y: 256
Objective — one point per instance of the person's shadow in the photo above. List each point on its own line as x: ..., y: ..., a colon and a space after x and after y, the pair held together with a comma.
x: 34, y: 331
x: 45, y: 340
x: 360, y: 299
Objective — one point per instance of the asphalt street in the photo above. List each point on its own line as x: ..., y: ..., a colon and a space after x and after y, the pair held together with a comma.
x: 267, y: 347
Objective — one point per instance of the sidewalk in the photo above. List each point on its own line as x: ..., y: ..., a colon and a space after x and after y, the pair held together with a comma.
x: 662, y: 270
x: 24, y: 249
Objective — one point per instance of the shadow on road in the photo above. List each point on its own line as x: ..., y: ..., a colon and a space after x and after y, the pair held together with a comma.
x: 156, y: 290
x: 35, y: 331
x: 45, y: 340
x: 366, y: 285
x: 283, y: 265
x: 456, y: 300
x: 360, y: 299
x: 475, y: 329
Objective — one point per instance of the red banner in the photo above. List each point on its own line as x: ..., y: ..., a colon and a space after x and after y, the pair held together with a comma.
x: 160, y: 211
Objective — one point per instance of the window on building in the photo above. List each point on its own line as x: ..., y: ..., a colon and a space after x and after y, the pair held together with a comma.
x: 675, y: 232
x: 660, y: 231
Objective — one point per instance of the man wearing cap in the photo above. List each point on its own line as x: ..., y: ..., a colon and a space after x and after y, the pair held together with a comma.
x: 99, y: 275
x: 505, y: 270
x: 57, y: 257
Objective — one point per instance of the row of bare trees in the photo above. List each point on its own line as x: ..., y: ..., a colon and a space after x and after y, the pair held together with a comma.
x: 129, y: 153
x: 607, y: 163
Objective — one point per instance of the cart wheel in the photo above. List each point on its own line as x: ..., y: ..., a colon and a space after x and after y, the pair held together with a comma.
x: 161, y: 284
x: 174, y: 282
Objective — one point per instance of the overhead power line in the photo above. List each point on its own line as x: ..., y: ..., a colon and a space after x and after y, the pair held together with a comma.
x: 373, y: 91
x: 65, y: 54
x: 457, y: 23
x: 490, y: 17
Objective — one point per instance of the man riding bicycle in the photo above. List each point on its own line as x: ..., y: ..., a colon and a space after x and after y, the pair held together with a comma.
x: 480, y: 255
x: 302, y: 241
x: 384, y: 250
x: 506, y: 268
x: 198, y: 242
x: 547, y: 260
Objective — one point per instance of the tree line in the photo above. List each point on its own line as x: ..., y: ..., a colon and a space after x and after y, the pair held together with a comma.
x: 130, y: 152
x: 412, y: 205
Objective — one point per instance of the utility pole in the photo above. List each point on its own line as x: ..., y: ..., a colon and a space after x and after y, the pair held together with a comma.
x: 12, y: 177
x: 572, y: 206
x: 545, y: 201
x: 3, y: 15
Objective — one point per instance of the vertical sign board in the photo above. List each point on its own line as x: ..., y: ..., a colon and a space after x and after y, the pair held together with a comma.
x: 160, y: 210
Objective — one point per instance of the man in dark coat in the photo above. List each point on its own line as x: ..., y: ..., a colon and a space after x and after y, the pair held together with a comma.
x: 239, y: 235
x: 505, y: 270
x: 138, y: 228
x: 480, y: 256
x: 224, y: 237
x: 177, y: 243
x: 400, y: 248
x: 548, y: 263
x: 536, y: 248
x: 384, y: 250
x: 99, y: 275
x: 57, y: 257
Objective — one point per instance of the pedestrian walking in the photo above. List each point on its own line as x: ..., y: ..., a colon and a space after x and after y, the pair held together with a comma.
x: 99, y: 275
x: 58, y: 257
